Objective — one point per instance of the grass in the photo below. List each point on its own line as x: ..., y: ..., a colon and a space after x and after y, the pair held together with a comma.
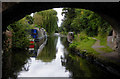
x: 103, y: 42
x: 107, y: 49
x: 84, y: 43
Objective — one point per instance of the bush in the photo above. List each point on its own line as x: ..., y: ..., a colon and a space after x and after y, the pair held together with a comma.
x: 73, y: 45
x: 20, y: 38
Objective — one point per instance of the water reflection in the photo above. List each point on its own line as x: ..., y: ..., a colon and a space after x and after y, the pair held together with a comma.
x: 48, y: 63
x: 79, y: 67
x: 39, y: 45
x: 49, y: 51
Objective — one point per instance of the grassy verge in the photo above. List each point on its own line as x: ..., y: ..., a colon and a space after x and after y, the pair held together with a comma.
x: 83, y: 43
x: 107, y: 49
x: 103, y: 42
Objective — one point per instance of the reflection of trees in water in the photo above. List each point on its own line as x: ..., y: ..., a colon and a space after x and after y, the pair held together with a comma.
x: 49, y: 51
x: 76, y: 66
x: 79, y: 67
x: 13, y: 63
x: 26, y: 66
x: 64, y: 42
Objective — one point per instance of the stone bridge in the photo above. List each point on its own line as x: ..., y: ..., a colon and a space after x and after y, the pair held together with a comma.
x: 110, y: 11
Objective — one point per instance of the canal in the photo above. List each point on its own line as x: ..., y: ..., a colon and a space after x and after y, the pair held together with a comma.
x: 53, y: 60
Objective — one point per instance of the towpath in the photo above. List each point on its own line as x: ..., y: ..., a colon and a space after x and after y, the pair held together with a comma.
x: 113, y: 56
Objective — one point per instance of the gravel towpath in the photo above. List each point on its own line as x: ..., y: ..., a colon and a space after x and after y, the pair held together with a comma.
x: 111, y: 55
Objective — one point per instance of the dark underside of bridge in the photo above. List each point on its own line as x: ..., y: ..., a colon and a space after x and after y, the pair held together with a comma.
x: 15, y: 11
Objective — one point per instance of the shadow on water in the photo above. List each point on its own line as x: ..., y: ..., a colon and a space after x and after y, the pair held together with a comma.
x: 13, y: 62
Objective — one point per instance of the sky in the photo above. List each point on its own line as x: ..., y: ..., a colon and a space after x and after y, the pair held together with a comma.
x: 60, y: 17
x: 31, y: 14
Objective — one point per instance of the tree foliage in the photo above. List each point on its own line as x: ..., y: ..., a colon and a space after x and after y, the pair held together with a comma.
x: 79, y: 20
x: 38, y: 19
x: 69, y: 16
x: 46, y: 19
x: 20, y: 38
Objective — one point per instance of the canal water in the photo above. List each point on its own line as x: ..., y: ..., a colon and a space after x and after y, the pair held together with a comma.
x: 53, y: 60
x: 48, y: 62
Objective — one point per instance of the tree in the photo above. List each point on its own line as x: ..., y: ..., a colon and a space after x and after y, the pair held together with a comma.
x: 38, y: 20
x: 47, y: 19
x: 78, y: 20
x: 69, y: 16
x: 20, y: 38
x: 29, y: 19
